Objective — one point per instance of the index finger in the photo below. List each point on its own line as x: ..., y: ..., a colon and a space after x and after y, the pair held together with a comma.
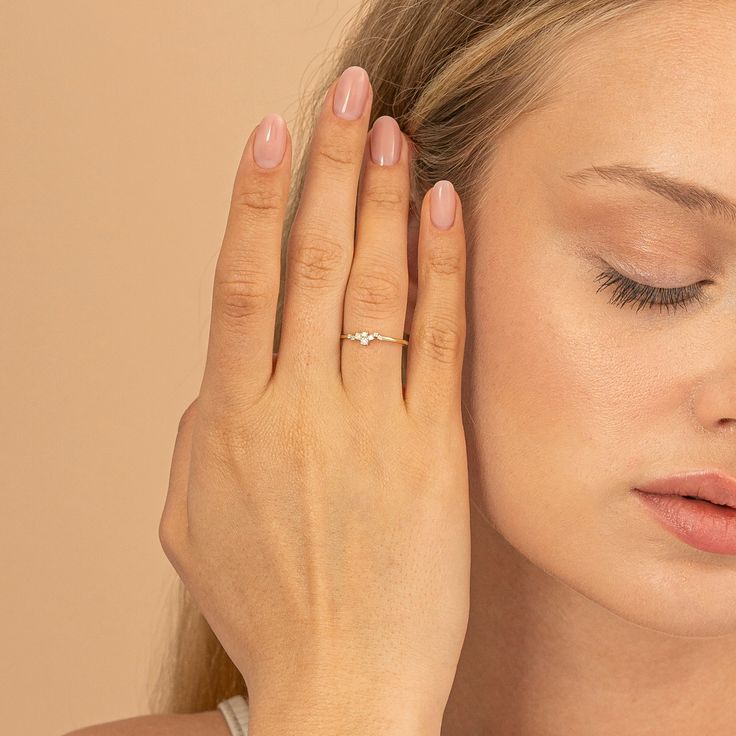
x: 246, y: 285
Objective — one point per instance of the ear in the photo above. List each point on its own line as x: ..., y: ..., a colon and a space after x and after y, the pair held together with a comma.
x: 412, y: 244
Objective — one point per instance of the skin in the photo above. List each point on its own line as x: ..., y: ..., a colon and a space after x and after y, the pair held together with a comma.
x: 586, y: 616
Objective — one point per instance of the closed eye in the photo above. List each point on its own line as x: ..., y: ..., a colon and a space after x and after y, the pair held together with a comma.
x: 626, y: 291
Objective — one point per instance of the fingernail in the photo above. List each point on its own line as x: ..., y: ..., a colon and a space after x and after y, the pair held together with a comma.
x: 270, y: 141
x: 351, y: 93
x: 385, y: 141
x: 442, y: 204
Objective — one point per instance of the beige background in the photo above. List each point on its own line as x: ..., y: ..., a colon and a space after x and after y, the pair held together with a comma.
x: 121, y: 127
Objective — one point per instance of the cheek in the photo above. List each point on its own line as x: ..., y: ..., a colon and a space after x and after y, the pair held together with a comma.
x: 560, y: 391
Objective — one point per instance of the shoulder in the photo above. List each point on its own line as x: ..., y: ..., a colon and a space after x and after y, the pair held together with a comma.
x: 207, y: 723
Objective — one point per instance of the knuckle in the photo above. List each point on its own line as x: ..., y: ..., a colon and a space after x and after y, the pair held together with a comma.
x: 257, y: 201
x: 441, y: 339
x: 188, y: 416
x: 222, y: 445
x: 443, y: 259
x: 316, y: 260
x: 376, y: 288
x: 384, y: 197
x: 169, y: 538
x: 227, y: 436
x: 335, y: 151
x: 243, y: 294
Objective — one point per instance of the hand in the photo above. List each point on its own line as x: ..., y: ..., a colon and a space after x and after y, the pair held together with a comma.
x: 316, y: 511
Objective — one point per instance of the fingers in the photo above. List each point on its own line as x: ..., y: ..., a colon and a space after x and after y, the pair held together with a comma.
x: 376, y: 293
x: 246, y: 284
x: 320, y: 248
x: 437, y: 341
x: 322, y: 261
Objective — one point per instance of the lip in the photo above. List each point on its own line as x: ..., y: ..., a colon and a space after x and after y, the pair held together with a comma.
x: 713, y: 486
x: 708, y: 523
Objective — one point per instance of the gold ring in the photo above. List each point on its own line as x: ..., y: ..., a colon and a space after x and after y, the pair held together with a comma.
x: 364, y: 338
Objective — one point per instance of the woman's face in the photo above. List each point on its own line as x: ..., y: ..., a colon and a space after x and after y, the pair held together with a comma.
x: 574, y: 399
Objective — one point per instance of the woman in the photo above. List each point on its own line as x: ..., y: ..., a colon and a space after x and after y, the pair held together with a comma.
x: 590, y: 145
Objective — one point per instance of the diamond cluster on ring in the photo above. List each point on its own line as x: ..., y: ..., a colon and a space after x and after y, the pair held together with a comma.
x: 364, y: 337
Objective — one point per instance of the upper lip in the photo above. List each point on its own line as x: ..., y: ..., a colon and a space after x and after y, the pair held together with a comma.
x: 710, y: 485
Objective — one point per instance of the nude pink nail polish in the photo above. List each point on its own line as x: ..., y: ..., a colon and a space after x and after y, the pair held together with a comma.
x: 351, y: 93
x: 442, y: 204
x: 385, y: 141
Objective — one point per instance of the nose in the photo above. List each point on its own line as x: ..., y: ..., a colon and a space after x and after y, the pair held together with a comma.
x: 714, y: 403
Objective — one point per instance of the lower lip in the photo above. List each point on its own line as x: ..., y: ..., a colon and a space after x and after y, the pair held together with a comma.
x: 703, y: 525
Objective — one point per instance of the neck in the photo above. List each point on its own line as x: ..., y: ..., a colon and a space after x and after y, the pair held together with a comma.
x: 541, y: 659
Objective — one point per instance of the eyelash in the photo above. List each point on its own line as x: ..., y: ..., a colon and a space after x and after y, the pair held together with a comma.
x: 631, y: 291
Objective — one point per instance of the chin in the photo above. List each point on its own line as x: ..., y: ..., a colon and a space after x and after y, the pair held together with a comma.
x: 662, y: 588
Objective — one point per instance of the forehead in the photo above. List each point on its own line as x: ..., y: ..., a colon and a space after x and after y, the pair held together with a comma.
x: 656, y: 86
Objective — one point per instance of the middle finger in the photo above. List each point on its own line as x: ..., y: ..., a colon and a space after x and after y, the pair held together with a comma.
x: 320, y: 248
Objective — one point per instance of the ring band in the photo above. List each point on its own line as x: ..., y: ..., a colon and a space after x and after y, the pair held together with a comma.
x: 365, y: 337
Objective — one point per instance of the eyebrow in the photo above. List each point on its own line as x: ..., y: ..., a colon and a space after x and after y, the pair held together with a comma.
x: 690, y: 196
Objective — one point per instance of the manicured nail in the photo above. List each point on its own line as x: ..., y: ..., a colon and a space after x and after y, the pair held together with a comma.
x: 385, y: 141
x: 442, y: 205
x: 270, y: 141
x: 351, y: 93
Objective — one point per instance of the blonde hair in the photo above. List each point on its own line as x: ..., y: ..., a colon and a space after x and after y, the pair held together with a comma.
x: 455, y: 74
